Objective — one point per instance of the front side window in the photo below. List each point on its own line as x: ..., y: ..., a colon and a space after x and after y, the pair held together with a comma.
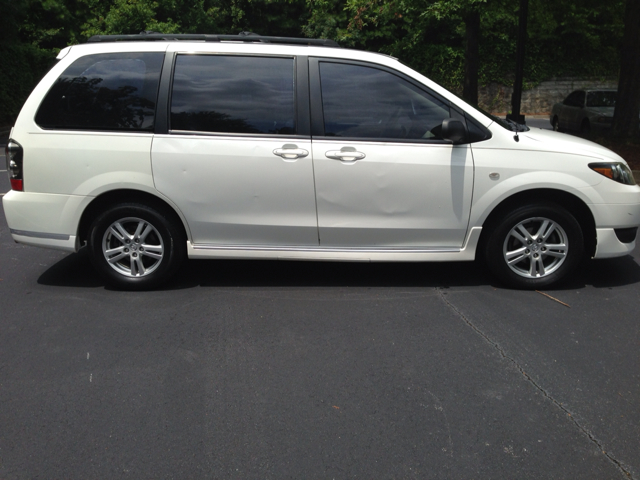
x: 112, y: 91
x: 366, y: 102
x: 233, y: 94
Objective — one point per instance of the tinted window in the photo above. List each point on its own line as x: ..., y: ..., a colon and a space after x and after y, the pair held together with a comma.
x: 229, y: 94
x: 601, y: 99
x: 576, y: 99
x: 114, y: 91
x: 367, y: 102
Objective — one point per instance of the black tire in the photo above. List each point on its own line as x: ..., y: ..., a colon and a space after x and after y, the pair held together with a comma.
x: 585, y: 128
x: 145, y: 248
x: 551, y: 248
x: 556, y: 124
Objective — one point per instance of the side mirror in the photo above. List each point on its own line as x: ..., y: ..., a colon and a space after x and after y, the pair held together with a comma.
x: 454, y: 131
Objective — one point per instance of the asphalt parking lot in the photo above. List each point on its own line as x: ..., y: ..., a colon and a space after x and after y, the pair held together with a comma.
x: 246, y: 369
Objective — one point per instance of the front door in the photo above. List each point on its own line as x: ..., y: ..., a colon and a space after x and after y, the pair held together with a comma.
x: 384, y: 176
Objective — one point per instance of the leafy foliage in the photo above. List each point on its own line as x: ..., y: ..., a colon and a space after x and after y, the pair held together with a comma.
x: 569, y: 38
x: 200, y: 16
x: 27, y: 65
x: 574, y: 38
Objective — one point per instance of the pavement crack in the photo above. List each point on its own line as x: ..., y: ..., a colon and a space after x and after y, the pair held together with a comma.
x: 626, y: 470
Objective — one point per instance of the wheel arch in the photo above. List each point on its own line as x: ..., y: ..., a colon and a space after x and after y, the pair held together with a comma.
x: 570, y: 202
x: 113, y: 197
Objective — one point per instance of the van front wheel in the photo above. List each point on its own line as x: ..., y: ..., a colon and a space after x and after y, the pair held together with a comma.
x: 136, y: 247
x: 534, y: 246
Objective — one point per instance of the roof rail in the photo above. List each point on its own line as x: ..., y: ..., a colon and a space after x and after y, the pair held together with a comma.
x: 197, y: 37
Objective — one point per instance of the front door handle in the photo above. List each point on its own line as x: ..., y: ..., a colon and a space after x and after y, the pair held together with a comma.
x: 345, y: 154
x: 291, y: 152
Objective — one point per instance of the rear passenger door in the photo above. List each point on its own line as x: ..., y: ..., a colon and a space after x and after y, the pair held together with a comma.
x: 236, y: 155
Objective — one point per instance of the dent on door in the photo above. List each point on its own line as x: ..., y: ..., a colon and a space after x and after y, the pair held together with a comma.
x: 398, y: 196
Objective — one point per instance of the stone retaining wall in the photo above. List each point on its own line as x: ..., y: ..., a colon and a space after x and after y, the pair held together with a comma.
x: 539, y: 100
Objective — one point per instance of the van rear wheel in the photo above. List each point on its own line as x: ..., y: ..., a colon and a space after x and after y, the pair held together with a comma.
x: 136, y: 247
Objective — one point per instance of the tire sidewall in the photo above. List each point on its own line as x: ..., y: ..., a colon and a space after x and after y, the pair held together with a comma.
x: 585, y: 127
x: 494, y: 246
x: 172, y: 238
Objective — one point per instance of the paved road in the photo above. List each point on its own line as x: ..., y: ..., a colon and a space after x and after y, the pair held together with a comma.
x: 5, y: 186
x: 539, y: 123
x: 316, y: 370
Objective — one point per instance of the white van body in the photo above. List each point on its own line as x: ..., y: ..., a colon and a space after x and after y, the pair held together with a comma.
x: 339, y: 173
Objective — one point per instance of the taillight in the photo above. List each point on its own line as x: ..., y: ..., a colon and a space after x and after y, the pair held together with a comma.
x: 14, y: 153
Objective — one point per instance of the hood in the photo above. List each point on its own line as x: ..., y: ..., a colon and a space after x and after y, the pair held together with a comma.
x: 551, y: 141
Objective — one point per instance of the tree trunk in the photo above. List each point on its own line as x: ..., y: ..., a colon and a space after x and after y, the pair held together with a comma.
x: 471, y: 57
x: 516, y: 97
x: 625, y: 117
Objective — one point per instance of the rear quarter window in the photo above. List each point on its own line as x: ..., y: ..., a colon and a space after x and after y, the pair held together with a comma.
x: 112, y: 91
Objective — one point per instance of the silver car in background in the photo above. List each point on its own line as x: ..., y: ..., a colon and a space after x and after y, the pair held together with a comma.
x: 584, y: 111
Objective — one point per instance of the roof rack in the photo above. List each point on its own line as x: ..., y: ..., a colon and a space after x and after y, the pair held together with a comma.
x: 197, y: 37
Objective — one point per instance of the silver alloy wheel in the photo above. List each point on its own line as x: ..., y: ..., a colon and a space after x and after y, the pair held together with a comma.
x: 133, y: 247
x: 535, y: 247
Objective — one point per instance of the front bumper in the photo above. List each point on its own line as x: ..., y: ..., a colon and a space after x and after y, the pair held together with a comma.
x: 609, y: 245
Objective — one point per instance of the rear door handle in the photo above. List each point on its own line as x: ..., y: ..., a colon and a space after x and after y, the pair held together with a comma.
x: 291, y: 152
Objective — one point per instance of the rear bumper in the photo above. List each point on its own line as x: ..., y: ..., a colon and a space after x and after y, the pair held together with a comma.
x: 67, y: 243
x: 44, y: 220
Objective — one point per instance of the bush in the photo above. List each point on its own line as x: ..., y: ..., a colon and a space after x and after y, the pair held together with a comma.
x: 23, y: 66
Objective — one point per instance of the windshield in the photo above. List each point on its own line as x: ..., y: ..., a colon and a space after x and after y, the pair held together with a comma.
x: 503, y: 122
x: 601, y: 99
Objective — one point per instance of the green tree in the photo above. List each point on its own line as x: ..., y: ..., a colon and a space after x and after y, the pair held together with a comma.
x: 438, y: 37
x: 571, y: 38
x: 448, y: 40
x: 23, y: 62
x: 625, y: 117
x: 285, y: 17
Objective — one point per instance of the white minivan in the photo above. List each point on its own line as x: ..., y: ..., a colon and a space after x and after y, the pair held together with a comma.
x: 152, y: 148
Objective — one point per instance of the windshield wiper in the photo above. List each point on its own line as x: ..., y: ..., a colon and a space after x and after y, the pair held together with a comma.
x: 516, y: 127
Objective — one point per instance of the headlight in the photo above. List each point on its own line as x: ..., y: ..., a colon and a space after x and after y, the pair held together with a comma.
x: 618, y: 172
